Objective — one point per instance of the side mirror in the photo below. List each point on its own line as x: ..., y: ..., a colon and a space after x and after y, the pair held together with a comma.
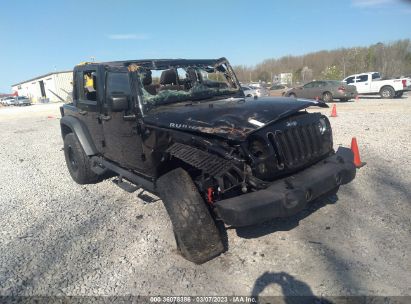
x: 119, y: 103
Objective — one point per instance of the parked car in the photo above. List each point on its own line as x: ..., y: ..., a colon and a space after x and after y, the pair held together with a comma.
x: 371, y: 84
x: 211, y: 155
x: 326, y: 90
x: 260, y: 90
x: 248, y: 91
x: 278, y: 90
x: 22, y: 101
x: 9, y: 101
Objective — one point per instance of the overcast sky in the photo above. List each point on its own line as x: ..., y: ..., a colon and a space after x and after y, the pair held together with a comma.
x: 37, y: 37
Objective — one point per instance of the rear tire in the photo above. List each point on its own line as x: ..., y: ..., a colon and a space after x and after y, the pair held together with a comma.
x: 387, y: 92
x: 327, y: 97
x: 196, y: 234
x: 78, y: 163
x: 399, y: 94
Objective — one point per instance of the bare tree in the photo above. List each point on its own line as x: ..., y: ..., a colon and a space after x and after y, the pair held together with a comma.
x: 391, y: 59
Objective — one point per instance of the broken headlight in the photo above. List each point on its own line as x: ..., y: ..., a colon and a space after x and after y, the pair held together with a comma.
x: 258, y: 148
x: 264, y: 164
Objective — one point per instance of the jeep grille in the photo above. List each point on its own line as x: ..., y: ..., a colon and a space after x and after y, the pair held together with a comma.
x: 298, y: 145
x: 281, y: 149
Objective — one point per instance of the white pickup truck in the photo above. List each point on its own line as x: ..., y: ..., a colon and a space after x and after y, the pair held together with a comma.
x: 371, y: 84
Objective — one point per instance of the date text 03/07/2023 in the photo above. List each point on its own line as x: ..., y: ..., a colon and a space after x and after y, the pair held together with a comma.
x: 202, y: 299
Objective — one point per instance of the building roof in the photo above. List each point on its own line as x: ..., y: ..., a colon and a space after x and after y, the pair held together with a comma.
x: 42, y: 76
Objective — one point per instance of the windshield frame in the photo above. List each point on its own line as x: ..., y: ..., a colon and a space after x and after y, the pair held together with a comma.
x: 146, y: 107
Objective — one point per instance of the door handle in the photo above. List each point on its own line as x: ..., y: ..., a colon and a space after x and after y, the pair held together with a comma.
x: 104, y: 117
x: 82, y: 112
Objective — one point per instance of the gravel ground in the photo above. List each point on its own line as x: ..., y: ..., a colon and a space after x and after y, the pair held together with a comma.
x: 59, y: 238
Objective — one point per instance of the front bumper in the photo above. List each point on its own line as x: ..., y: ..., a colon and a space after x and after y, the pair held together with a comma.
x: 290, y: 195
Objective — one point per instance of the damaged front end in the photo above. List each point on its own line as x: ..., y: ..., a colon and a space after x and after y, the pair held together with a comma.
x: 274, y: 172
x: 279, y: 149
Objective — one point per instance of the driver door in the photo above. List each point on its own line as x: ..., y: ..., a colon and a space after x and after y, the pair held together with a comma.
x: 122, y: 142
x: 308, y: 90
x: 362, y: 83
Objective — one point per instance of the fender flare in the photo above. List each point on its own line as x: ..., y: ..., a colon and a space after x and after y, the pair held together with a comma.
x: 81, y: 132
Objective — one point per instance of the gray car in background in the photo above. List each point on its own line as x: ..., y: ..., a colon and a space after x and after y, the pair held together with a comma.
x: 278, y: 90
x: 22, y: 101
x: 326, y: 90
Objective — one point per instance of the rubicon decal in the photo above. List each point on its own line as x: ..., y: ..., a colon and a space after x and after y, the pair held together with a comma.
x: 181, y: 126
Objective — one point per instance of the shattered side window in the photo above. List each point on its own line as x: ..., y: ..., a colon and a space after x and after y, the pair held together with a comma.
x: 218, y: 77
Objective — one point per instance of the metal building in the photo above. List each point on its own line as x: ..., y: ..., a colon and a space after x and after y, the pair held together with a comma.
x: 52, y: 87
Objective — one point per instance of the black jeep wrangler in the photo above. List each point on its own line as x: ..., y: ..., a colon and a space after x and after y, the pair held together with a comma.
x: 184, y: 130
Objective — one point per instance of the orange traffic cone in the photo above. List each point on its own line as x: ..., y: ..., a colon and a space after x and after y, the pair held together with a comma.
x: 334, y: 111
x: 354, y: 148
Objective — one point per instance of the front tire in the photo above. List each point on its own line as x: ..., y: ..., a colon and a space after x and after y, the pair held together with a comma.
x: 292, y: 95
x: 387, y: 92
x: 197, y: 236
x: 78, y: 163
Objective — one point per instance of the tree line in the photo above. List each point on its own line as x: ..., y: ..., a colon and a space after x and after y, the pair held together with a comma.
x: 390, y: 59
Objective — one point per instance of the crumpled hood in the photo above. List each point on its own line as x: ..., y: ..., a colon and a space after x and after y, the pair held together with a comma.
x: 232, y: 118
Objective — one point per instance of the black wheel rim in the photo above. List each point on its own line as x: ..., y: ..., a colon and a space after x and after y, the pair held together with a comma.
x: 72, y: 159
